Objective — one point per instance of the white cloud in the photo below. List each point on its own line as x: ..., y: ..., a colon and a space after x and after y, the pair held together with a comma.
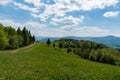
x: 42, y: 30
x: 34, y: 27
x: 50, y: 10
x: 34, y: 9
x: 90, y: 31
x: 66, y: 27
x: 5, y: 2
x: 41, y: 17
x: 111, y: 14
x: 76, y: 31
x: 25, y: 7
x: 93, y: 4
x: 70, y: 20
x: 7, y: 22
x: 34, y: 15
x: 36, y: 3
x: 61, y: 7
x: 58, y: 12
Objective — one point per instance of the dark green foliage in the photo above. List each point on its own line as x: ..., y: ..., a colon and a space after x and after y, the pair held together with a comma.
x: 103, y: 55
x: 13, y: 42
x: 20, y: 41
x: 33, y: 38
x: 69, y: 50
x: 10, y: 31
x: 12, y: 39
x: 26, y: 38
x: 3, y: 38
x: 54, y: 45
x: 60, y: 45
x: 19, y: 31
x: 20, y: 37
x: 48, y: 42
x: 92, y: 51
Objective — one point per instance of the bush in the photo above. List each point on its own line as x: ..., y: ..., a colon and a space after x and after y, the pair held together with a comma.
x: 69, y: 50
x: 60, y: 45
x: 107, y: 58
x: 101, y: 55
x: 54, y: 45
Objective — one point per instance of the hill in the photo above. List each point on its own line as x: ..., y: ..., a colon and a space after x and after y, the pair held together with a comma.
x: 108, y: 40
x: 91, y: 50
x: 44, y: 39
x: 41, y: 62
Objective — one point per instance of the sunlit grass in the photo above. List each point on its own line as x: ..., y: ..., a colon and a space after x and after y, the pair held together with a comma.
x: 47, y: 63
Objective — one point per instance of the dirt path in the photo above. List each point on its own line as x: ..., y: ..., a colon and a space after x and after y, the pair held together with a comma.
x: 23, y: 48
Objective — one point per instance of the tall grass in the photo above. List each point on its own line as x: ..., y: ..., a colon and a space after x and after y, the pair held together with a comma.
x: 47, y: 63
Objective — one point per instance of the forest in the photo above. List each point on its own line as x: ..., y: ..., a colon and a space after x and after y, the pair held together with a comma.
x: 12, y: 39
x: 91, y: 50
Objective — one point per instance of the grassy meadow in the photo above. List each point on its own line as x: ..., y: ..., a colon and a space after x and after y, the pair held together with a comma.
x: 40, y: 62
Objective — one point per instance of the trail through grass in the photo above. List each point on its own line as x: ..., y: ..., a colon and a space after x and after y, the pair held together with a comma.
x: 41, y: 62
x: 16, y: 50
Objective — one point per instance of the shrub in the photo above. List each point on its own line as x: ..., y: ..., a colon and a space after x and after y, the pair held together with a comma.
x: 60, y: 45
x: 69, y: 50
x: 54, y: 45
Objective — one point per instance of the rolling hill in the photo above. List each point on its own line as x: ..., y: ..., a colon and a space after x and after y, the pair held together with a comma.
x: 42, y: 62
x: 108, y: 40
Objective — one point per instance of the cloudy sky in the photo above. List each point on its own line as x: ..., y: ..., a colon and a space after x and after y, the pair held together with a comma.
x: 63, y: 17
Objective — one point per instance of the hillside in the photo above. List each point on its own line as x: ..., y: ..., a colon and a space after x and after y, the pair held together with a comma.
x: 108, y: 40
x: 91, y: 50
x: 47, y: 63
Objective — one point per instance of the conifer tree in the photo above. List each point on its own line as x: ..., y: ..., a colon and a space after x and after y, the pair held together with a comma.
x: 20, y: 37
x: 26, y: 39
x: 30, y: 38
x: 33, y: 38
x: 48, y: 42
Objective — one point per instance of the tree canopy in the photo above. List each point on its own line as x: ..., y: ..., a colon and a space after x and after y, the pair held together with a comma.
x: 12, y: 39
x: 91, y: 50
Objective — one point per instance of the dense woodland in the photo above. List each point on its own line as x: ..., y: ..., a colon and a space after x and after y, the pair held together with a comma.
x: 12, y: 39
x: 90, y: 50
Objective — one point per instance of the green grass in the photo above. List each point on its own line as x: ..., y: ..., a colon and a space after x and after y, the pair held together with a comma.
x: 47, y: 63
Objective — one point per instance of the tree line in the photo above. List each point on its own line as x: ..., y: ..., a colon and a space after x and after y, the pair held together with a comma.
x: 91, y: 50
x: 12, y: 39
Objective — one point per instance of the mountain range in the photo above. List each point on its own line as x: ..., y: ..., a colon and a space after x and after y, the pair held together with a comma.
x: 112, y: 41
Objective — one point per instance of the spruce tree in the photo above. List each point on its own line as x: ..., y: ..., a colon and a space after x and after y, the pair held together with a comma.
x: 30, y: 38
x: 19, y: 31
x: 33, y: 38
x: 26, y: 39
x: 20, y: 37
x: 48, y: 42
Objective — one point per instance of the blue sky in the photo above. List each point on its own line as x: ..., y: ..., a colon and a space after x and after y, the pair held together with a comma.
x: 63, y: 17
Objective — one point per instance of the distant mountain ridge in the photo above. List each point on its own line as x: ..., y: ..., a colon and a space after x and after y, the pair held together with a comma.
x: 108, y: 40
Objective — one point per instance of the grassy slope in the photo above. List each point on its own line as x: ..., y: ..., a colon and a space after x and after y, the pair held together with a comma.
x: 47, y: 63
